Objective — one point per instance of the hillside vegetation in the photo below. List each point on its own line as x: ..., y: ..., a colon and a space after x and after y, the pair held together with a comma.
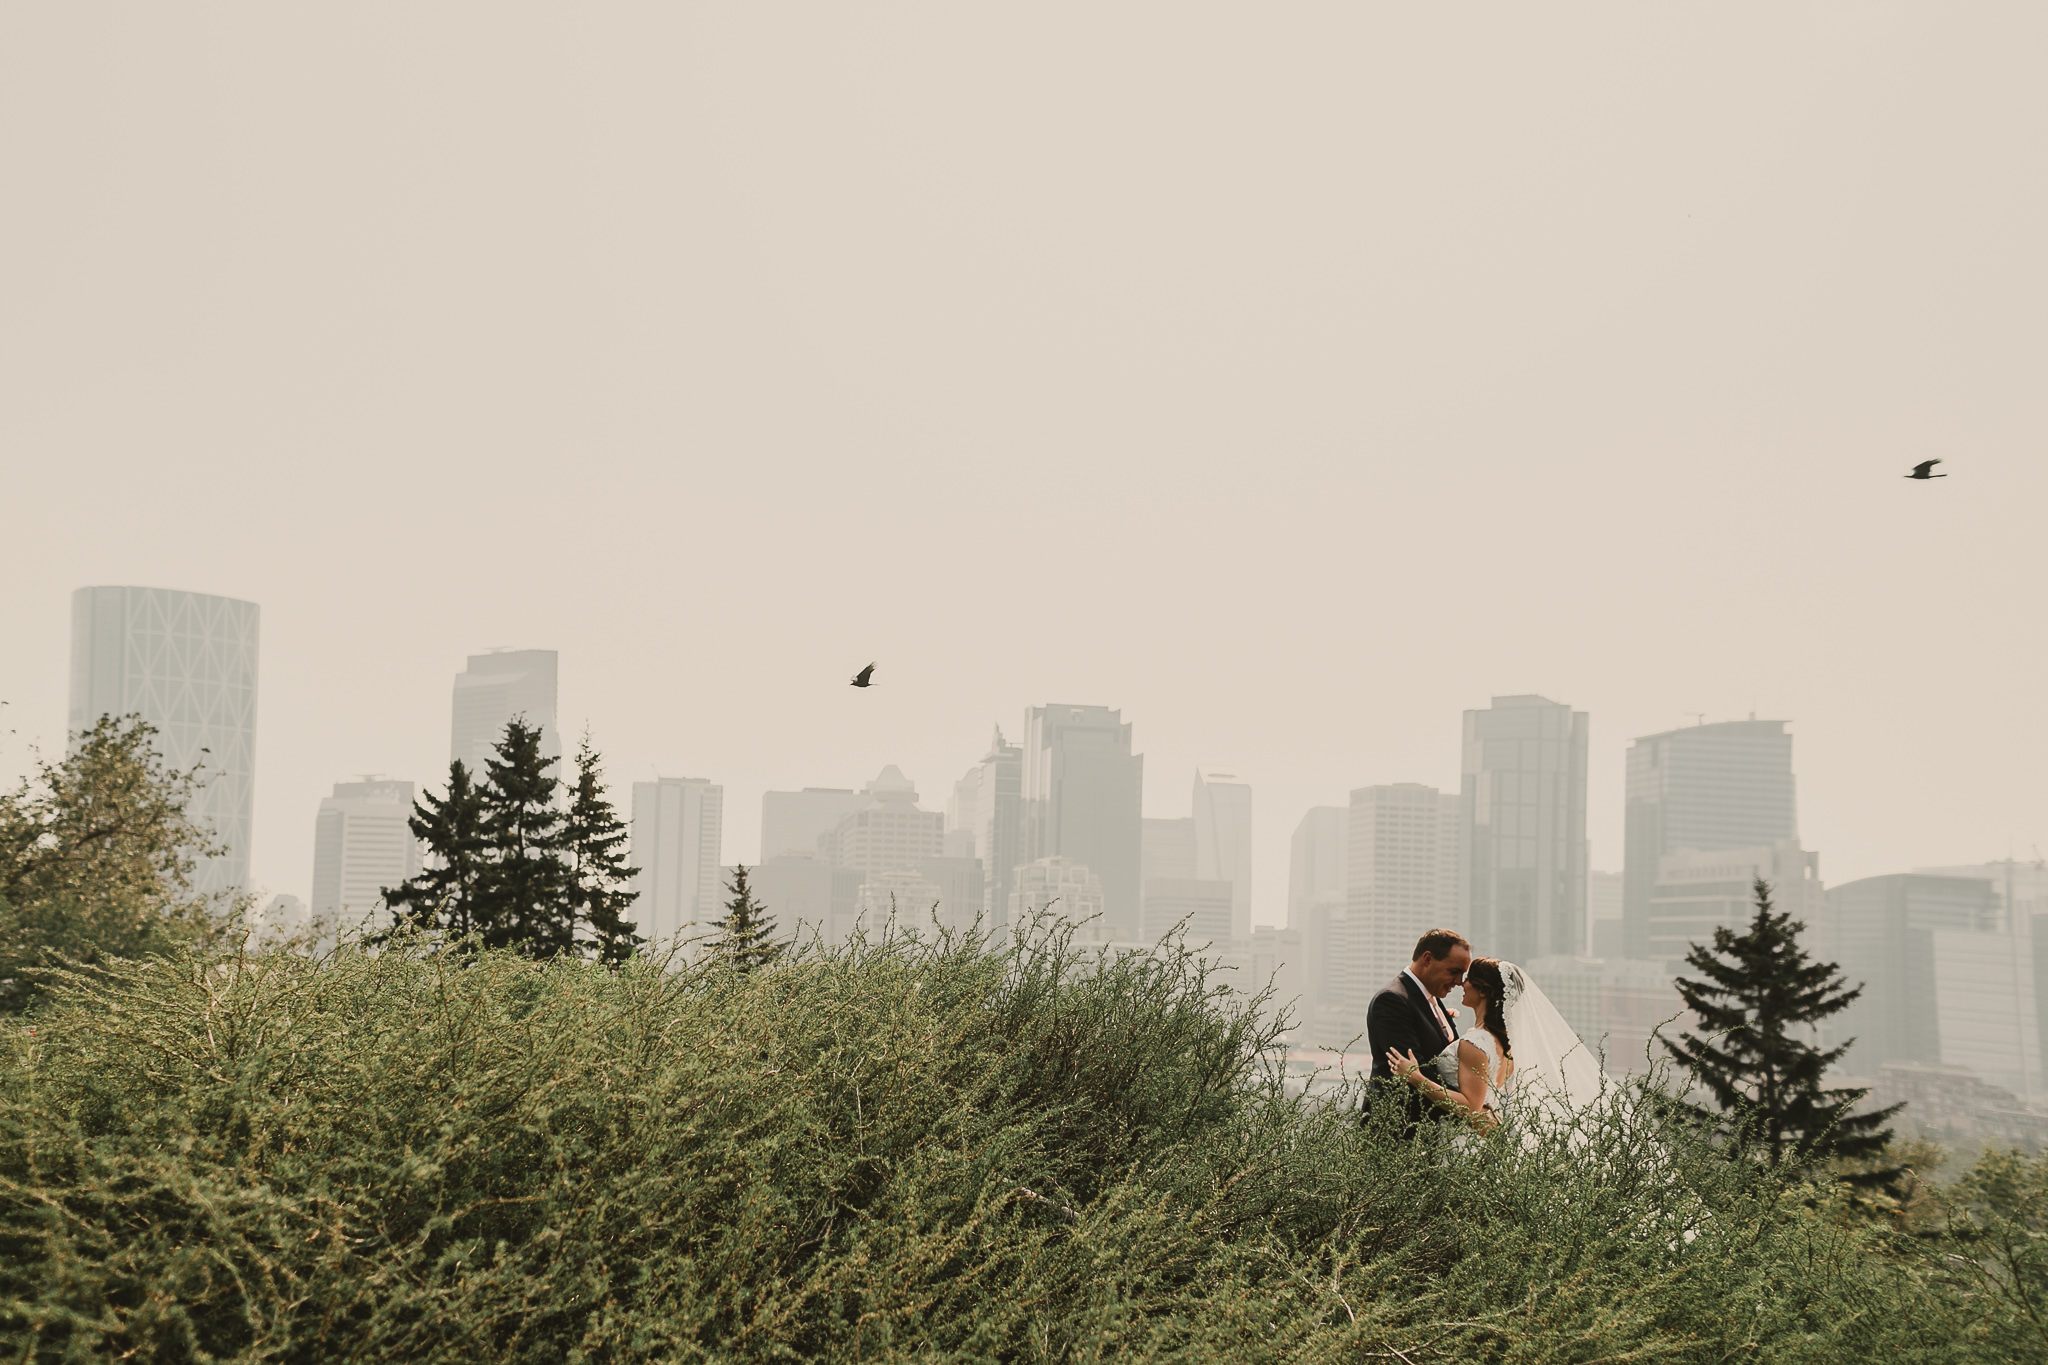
x: 411, y: 1156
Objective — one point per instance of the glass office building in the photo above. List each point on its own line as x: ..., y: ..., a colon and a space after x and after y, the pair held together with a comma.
x: 186, y: 663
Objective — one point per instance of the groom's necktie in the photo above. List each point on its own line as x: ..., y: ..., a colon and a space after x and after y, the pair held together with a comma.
x: 1442, y: 1021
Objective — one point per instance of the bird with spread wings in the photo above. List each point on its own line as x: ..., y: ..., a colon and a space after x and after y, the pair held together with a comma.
x: 861, y: 678
x: 1923, y: 470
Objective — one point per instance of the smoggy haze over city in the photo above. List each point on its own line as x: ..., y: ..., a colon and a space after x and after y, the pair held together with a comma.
x: 1291, y: 380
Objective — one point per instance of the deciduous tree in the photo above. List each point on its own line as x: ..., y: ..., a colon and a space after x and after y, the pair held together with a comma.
x: 96, y: 859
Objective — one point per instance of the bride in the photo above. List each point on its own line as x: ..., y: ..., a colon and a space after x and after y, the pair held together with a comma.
x: 1520, y: 1051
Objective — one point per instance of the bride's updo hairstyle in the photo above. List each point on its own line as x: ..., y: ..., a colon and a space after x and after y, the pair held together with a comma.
x: 1485, y: 974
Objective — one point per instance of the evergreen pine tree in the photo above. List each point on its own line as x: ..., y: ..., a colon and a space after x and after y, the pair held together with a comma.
x: 595, y: 838
x: 525, y: 896
x: 442, y: 896
x: 1756, y: 989
x: 746, y: 935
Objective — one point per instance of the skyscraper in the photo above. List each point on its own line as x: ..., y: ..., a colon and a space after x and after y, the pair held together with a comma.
x: 1202, y: 906
x: 793, y: 822
x: 1063, y: 889
x: 1720, y: 786
x: 1401, y: 875
x: 989, y: 802
x: 1316, y: 860
x: 1603, y: 915
x: 1699, y: 891
x: 492, y: 690
x: 962, y: 892
x: 1223, y: 841
x: 886, y: 832
x: 186, y: 662
x: 1948, y: 977
x: 1166, y: 849
x: 362, y: 845
x: 678, y: 827
x: 1522, y: 837
x: 806, y: 896
x: 1082, y: 787
x: 1316, y: 910
x: 2022, y: 891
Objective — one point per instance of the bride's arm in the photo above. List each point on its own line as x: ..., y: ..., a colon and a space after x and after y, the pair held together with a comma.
x: 1471, y: 1092
x: 1472, y: 1082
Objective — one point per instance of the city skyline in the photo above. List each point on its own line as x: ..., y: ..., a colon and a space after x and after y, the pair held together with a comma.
x: 1211, y: 391
x: 1504, y: 859
x: 1271, y: 906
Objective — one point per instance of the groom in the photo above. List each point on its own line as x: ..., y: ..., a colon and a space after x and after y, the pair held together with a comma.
x: 1408, y: 1016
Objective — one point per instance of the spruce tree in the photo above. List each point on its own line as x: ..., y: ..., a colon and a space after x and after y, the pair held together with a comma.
x: 1755, y: 990
x: 443, y: 895
x: 746, y: 936
x: 525, y: 899
x: 598, y: 876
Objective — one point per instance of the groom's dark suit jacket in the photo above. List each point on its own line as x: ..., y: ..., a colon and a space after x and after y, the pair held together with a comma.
x: 1400, y: 1017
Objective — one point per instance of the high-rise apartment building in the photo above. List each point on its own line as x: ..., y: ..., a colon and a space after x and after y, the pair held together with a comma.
x: 962, y: 889
x: 1522, y: 837
x: 1223, y: 841
x: 1317, y: 887
x: 1401, y: 876
x: 1947, y: 975
x: 1317, y: 858
x: 1721, y: 786
x: 494, y: 688
x: 1166, y: 849
x: 1083, y: 786
x: 1604, y: 938
x: 794, y: 822
x: 678, y: 827
x: 186, y: 663
x: 362, y: 846
x: 886, y: 832
x: 2022, y: 891
x: 1059, y: 888
x: 807, y: 897
x: 988, y: 804
x: 1698, y: 891
x: 902, y: 897
x: 1275, y: 958
x: 1203, y: 907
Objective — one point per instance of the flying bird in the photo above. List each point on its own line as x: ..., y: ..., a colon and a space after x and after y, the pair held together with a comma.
x: 1920, y: 471
x: 860, y: 679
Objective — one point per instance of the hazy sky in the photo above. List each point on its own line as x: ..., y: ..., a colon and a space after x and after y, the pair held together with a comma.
x: 1293, y: 378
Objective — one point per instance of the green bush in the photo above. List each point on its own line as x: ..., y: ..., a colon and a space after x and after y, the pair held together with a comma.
x: 406, y: 1157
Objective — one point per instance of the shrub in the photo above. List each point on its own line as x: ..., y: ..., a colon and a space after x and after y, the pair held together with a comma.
x: 425, y: 1157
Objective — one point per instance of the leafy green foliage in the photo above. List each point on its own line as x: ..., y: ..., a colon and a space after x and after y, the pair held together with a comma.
x: 1756, y: 990
x: 746, y: 936
x: 398, y: 1156
x: 96, y: 859
x: 1999, y: 1212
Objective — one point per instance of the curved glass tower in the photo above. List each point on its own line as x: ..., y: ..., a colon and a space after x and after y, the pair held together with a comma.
x: 185, y: 662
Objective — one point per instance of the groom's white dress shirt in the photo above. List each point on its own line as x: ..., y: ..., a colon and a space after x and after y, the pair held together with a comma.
x: 1442, y: 1020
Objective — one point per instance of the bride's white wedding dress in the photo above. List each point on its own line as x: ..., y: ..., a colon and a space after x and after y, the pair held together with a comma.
x: 1500, y: 1073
